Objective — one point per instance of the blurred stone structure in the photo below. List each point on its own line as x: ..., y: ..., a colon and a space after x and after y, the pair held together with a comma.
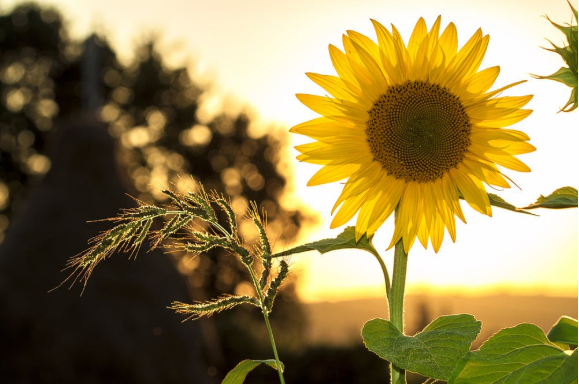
x: 119, y: 330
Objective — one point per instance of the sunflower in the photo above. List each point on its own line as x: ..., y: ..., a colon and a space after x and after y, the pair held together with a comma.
x: 414, y: 128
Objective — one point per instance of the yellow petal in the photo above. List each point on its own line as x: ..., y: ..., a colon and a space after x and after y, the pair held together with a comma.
x: 437, y: 233
x: 485, y: 172
x: 423, y: 234
x: 450, y: 193
x: 346, y: 158
x: 482, y: 81
x: 326, y: 128
x: 334, y: 85
x: 366, y: 43
x: 497, y: 108
x: 416, y: 38
x: 465, y: 64
x: 435, y: 30
x: 391, y: 192
x: 508, y: 161
x: 409, y: 214
x: 347, y: 210
x: 328, y: 174
x: 500, y: 133
x: 373, y: 205
x: 391, y: 55
x: 378, y: 82
x: 362, y: 180
x: 472, y: 190
x: 331, y: 108
x: 402, y: 52
x: 506, y: 120
x: 360, y: 72
x: 491, y: 94
x: 449, y: 42
x: 342, y: 66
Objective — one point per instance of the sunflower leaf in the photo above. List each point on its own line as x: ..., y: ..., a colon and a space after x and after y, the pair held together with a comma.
x: 562, y: 198
x: 434, y: 352
x: 237, y: 375
x: 346, y: 240
x: 497, y: 201
x: 517, y: 355
x: 564, y: 331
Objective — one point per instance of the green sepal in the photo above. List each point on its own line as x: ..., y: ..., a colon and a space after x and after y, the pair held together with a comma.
x: 346, y: 240
x: 562, y: 198
x: 564, y: 331
x: 434, y: 352
x: 237, y: 375
x: 563, y: 75
x: 517, y: 355
x: 571, y: 102
x: 573, y: 9
x: 567, y: 76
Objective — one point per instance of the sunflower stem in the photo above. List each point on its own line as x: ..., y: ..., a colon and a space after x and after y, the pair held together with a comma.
x: 396, y: 303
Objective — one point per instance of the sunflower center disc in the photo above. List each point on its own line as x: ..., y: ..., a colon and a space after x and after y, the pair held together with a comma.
x: 418, y: 131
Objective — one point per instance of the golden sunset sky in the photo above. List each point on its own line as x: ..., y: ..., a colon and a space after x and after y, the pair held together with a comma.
x: 257, y: 52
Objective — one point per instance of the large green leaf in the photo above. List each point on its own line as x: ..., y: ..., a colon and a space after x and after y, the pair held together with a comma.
x: 562, y: 198
x: 564, y: 331
x: 237, y: 375
x: 434, y: 352
x: 346, y: 240
x: 517, y: 355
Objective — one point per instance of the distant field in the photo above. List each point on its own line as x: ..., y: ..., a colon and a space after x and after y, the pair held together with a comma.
x: 339, y: 323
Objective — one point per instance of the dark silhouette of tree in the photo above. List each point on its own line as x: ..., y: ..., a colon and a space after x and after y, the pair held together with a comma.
x: 30, y: 46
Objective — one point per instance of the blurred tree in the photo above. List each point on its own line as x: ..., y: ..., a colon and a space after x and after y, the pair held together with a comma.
x: 30, y: 46
x: 152, y: 111
x: 40, y: 82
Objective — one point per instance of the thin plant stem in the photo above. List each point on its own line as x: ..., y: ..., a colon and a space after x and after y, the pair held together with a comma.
x: 266, y: 317
x: 396, y: 303
x: 385, y: 273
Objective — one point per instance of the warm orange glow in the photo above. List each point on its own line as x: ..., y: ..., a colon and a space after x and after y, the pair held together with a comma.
x: 258, y: 52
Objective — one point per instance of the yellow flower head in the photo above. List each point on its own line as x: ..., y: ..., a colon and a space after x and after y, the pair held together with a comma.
x: 412, y: 127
